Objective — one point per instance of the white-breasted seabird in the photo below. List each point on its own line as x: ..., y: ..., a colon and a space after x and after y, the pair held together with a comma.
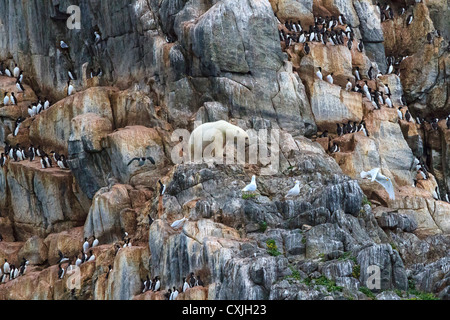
x: 295, y: 191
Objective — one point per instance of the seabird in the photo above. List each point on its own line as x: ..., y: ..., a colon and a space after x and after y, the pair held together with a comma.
x: 319, y: 73
x: 375, y: 175
x: 408, y: 116
x: 98, y: 37
x: 335, y: 148
x: 162, y: 188
x: 142, y: 161
x: 349, y: 85
x: 399, y: 112
x: 307, y: 48
x: 358, y: 76
x: 179, y: 223
x: 388, y: 101
x: 85, y: 245
x: 360, y: 46
x: 339, y: 130
x: 6, y: 99
x: 46, y: 104
x: 295, y: 191
x: 157, y: 284
x: 17, y: 126
x: 185, y: 285
x: 8, y: 72
x: 409, y: 19
x: 19, y: 87
x: 62, y: 257
x: 95, y: 243
x: 251, y: 187
x: 70, y: 88
x: 13, y: 99
x: 70, y: 74
x: 448, y: 122
x: 63, y: 45
x: 16, y: 72
x: 330, y: 78
x: 60, y: 272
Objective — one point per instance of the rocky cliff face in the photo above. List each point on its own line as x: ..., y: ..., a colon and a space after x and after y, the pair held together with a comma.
x: 167, y: 64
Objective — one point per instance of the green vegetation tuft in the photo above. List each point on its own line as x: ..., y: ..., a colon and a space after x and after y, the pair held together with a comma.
x: 263, y: 226
x: 329, y: 284
x: 367, y: 292
x: 366, y: 201
x: 247, y: 196
x: 272, y: 248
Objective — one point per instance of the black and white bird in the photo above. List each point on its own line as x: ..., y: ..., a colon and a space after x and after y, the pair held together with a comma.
x: 409, y: 19
x: 19, y: 87
x: 85, y: 245
x: 8, y: 72
x: 46, y: 104
x: 357, y: 74
x: 62, y: 257
x: 13, y: 99
x: 17, y: 125
x: 95, y: 243
x: 339, y: 130
x: 70, y: 88
x: 162, y: 188
x: 349, y: 85
x: 407, y: 116
x: 360, y: 46
x: 307, y: 48
x: 16, y: 71
x: 60, y: 272
x: 448, y: 122
x: 389, y: 101
x: 185, y: 285
x: 142, y: 161
x: 400, y: 113
x: 330, y: 78
x: 319, y: 73
x: 6, y: 99
x: 62, y: 163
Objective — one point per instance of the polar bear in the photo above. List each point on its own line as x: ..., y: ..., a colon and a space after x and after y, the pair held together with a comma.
x: 213, y: 136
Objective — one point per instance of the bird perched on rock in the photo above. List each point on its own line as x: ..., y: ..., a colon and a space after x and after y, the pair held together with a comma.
x: 349, y: 85
x: 307, y: 48
x: 295, y: 191
x: 70, y: 88
x: 62, y: 257
x: 85, y: 245
x: 185, y: 285
x: 399, y: 112
x: 448, y: 122
x: 319, y: 73
x: 179, y: 223
x: 142, y: 161
x: 335, y: 148
x: 6, y: 99
x: 17, y: 125
x: 162, y: 188
x: 251, y: 187
x: 408, y: 116
x: 375, y: 175
x: 330, y: 78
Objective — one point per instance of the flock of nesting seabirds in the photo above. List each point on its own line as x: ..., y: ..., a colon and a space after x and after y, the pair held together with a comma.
x: 328, y: 31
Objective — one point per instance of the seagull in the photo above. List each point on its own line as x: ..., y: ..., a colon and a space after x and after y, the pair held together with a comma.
x: 63, y: 45
x: 98, y: 37
x: 294, y: 192
x: 179, y: 223
x: 142, y: 161
x: 375, y: 175
x: 251, y: 187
